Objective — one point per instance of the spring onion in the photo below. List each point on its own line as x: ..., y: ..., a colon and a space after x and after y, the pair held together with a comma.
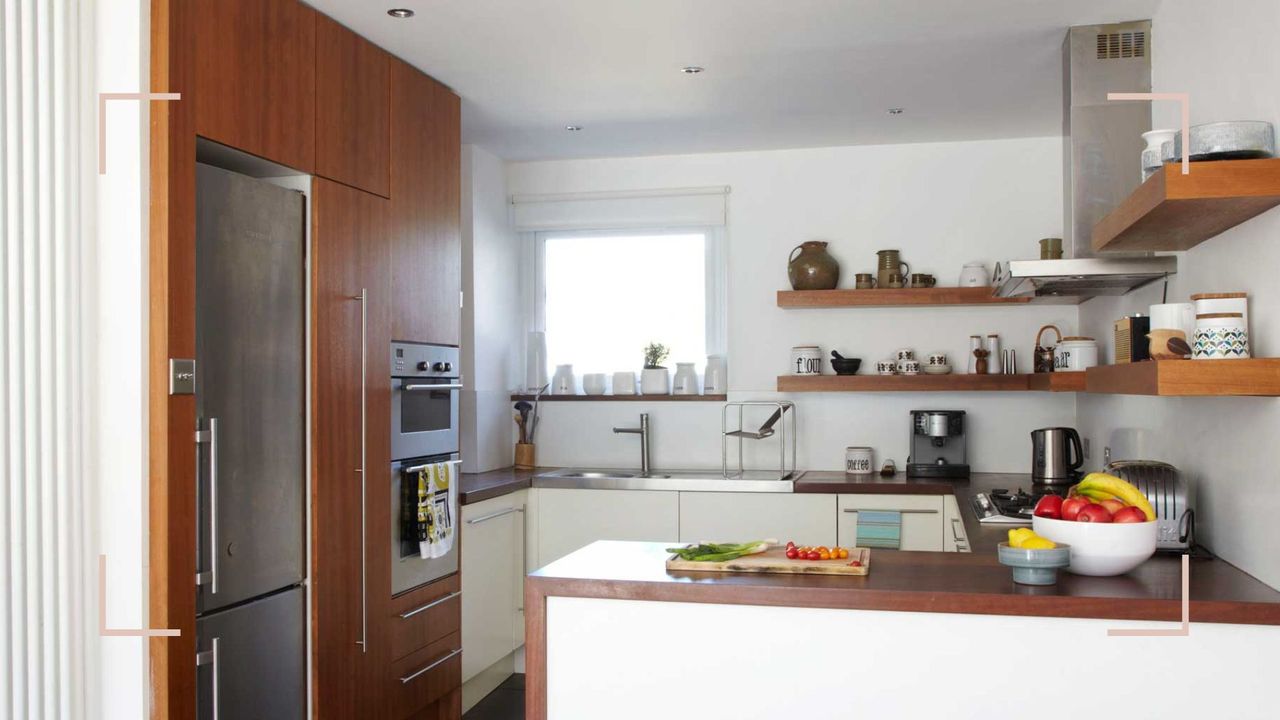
x: 720, y: 552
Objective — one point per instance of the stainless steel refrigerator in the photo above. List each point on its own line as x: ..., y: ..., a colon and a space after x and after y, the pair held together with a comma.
x: 249, y: 383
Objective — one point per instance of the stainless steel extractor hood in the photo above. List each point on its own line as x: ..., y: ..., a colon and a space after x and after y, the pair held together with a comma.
x: 1102, y: 142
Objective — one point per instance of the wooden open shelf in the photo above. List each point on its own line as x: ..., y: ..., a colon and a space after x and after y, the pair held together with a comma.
x: 1256, y: 377
x: 902, y: 383
x: 1061, y: 381
x: 894, y: 297
x: 1172, y: 211
x: 623, y: 398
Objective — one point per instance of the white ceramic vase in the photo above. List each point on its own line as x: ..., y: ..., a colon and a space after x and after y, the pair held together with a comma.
x: 686, y: 380
x: 655, y: 381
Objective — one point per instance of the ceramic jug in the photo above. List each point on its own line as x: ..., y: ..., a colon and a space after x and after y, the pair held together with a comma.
x: 813, y: 268
x: 888, y: 264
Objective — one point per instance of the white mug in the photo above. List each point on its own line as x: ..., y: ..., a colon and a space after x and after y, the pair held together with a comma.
x: 887, y: 367
x: 1174, y: 316
x: 858, y: 460
x: 909, y: 367
x: 937, y: 359
x: 624, y: 383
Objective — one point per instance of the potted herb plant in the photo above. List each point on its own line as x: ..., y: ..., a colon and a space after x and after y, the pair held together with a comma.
x: 654, y: 379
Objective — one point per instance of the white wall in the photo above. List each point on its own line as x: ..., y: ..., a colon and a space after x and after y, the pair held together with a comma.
x: 116, y: 347
x: 1228, y: 63
x: 492, y: 315
x: 942, y: 204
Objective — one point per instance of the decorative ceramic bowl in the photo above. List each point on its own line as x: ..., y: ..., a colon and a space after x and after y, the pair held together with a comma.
x: 1100, y: 549
x: 1034, y: 567
x: 936, y: 369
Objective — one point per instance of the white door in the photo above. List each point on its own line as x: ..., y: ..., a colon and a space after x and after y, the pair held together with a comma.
x: 571, y: 519
x: 808, y: 519
x: 491, y: 560
x: 922, y: 518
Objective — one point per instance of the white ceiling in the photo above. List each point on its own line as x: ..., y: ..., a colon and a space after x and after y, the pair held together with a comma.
x: 779, y: 73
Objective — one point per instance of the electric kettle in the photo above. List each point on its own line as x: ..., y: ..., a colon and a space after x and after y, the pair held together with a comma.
x: 1056, y: 455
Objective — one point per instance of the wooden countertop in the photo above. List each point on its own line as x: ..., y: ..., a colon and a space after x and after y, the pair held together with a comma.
x: 972, y: 583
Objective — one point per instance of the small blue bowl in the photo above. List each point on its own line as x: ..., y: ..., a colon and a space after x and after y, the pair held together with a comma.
x: 1034, y: 567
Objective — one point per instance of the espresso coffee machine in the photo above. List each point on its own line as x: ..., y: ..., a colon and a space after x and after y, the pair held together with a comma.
x: 937, y: 445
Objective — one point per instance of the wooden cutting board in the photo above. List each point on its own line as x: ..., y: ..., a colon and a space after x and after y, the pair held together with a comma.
x: 775, y: 560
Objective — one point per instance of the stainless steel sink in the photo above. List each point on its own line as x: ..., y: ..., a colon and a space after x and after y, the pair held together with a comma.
x: 683, y: 480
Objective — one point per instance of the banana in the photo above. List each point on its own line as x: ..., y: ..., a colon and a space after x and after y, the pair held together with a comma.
x: 1096, y: 494
x: 1121, y: 490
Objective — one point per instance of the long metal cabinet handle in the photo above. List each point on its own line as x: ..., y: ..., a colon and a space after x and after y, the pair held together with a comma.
x: 955, y: 531
x: 414, y: 675
x: 413, y: 387
x: 211, y: 658
x: 495, y: 515
x: 424, y: 466
x: 410, y: 613
x: 904, y: 512
x: 211, y: 436
x: 363, y: 297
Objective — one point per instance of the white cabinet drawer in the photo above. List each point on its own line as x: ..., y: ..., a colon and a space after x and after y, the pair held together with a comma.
x: 806, y: 518
x: 922, y: 518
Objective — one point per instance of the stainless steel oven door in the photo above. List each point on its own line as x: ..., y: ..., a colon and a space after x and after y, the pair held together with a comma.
x: 408, y: 568
x: 424, y: 417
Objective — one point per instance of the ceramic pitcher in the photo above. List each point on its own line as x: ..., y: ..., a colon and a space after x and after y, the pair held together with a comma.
x: 890, y: 263
x: 813, y: 268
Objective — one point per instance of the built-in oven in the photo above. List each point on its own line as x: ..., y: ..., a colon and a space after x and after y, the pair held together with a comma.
x: 426, y: 386
x: 408, y: 568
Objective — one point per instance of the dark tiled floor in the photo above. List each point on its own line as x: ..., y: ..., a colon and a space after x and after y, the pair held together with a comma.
x: 504, y: 703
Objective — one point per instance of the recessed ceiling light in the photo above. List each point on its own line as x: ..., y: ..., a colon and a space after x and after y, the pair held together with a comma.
x: 896, y: 111
x: 691, y: 69
x: 573, y: 128
x: 400, y: 13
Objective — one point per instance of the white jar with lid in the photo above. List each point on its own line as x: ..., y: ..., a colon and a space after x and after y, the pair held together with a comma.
x: 1075, y: 353
x: 806, y: 360
x: 1220, y: 336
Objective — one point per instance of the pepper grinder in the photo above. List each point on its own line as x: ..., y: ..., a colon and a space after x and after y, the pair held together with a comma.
x: 980, y: 361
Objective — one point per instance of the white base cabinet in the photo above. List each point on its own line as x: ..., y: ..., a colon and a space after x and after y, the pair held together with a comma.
x: 492, y: 540
x: 922, y: 518
x: 953, y: 535
x: 569, y: 519
x: 806, y: 518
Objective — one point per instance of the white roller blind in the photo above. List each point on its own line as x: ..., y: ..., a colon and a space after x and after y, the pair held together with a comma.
x: 43, y: 520
x: 675, y: 207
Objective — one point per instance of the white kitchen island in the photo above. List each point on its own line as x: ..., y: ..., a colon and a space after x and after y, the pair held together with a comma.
x: 611, y: 634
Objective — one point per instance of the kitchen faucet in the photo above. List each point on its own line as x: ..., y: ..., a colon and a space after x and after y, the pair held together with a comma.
x: 643, y: 432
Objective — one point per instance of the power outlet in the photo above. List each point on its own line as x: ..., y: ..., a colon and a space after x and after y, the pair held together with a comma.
x: 1084, y: 444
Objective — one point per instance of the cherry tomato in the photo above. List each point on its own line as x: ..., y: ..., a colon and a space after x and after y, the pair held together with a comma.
x: 813, y: 555
x: 824, y: 555
x: 792, y: 553
x: 844, y: 554
x: 791, y: 544
x: 856, y: 563
x: 822, y: 548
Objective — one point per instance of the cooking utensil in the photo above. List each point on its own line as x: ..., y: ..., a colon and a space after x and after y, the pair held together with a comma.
x: 1170, y: 496
x: 775, y: 560
x: 1043, y: 356
x: 1056, y: 455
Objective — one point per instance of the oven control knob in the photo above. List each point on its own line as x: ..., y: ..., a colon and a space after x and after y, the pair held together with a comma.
x: 424, y: 366
x: 442, y: 367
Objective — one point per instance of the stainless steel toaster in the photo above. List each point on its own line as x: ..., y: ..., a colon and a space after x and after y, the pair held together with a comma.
x: 1169, y: 494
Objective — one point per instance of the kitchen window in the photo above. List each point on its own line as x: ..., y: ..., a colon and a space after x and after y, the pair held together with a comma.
x: 602, y: 296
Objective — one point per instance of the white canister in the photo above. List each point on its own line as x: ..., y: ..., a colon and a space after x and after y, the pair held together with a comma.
x: 1174, y: 316
x: 563, y: 383
x: 624, y: 383
x: 1233, y: 302
x: 1075, y: 353
x: 806, y: 360
x: 994, y: 367
x: 716, y: 379
x: 1220, y: 336
x: 858, y: 460
x: 593, y: 383
x: 974, y: 274
x: 685, y: 381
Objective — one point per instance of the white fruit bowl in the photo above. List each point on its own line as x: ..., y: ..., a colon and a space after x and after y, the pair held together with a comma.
x: 1101, y: 549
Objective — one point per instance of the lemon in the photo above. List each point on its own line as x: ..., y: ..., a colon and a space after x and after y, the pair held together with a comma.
x: 1038, y: 543
x: 1017, y: 536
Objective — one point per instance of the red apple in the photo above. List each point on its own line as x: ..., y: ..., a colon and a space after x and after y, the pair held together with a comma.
x: 1113, y: 506
x: 1072, y: 506
x: 1050, y: 506
x: 1130, y: 515
x: 1093, y: 512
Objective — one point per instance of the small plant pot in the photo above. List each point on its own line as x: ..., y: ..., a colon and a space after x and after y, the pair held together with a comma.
x: 525, y: 459
x: 655, y: 381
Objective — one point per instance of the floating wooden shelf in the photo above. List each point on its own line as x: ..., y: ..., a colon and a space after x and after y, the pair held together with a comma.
x: 1172, y: 211
x: 1062, y: 381
x: 891, y: 297
x: 1258, y: 377
x: 624, y: 398
x: 901, y: 383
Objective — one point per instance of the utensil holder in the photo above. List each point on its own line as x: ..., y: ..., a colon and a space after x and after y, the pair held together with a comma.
x: 784, y: 426
x: 525, y: 456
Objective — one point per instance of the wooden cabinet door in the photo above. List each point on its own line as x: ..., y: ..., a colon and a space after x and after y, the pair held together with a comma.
x: 570, y: 519
x: 350, y: 579
x: 806, y: 518
x: 426, y: 171
x: 922, y: 518
x: 353, y: 105
x: 255, y: 78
